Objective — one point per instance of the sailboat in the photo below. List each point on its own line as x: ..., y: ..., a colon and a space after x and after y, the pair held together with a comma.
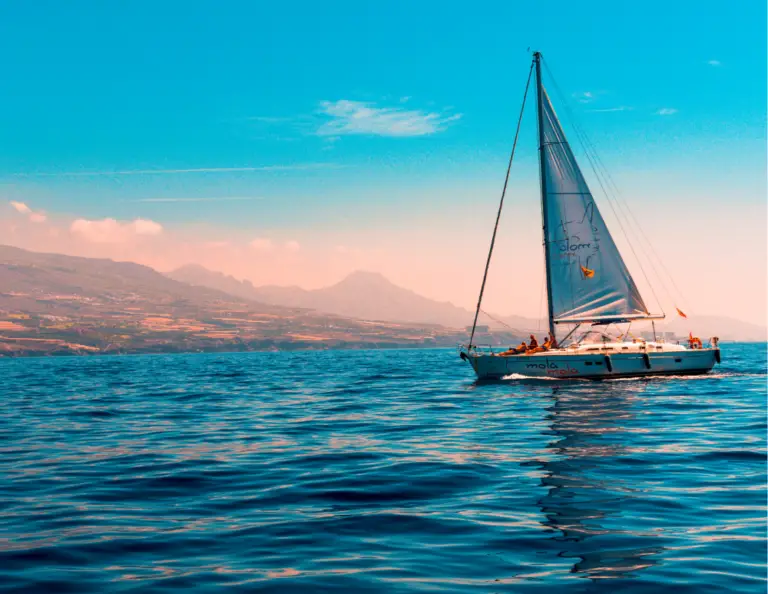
x: 589, y: 287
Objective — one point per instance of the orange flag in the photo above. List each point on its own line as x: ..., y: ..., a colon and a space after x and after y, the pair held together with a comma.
x: 587, y: 272
x: 681, y: 314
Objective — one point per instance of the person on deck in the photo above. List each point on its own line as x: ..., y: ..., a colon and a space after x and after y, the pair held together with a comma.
x: 552, y: 341
x: 514, y: 351
x: 533, y: 344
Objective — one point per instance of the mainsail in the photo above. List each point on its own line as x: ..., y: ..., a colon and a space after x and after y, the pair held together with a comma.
x: 588, y: 279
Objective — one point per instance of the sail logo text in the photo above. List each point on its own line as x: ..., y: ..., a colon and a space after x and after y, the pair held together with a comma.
x: 573, y: 244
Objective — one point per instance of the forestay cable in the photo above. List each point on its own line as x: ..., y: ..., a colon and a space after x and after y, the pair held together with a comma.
x: 501, y: 205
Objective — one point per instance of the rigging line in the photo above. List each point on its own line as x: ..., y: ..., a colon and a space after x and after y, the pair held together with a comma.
x: 615, y: 204
x: 503, y: 323
x: 625, y: 208
x: 625, y: 204
x: 613, y: 194
x: 501, y: 204
x: 622, y: 204
x: 602, y: 186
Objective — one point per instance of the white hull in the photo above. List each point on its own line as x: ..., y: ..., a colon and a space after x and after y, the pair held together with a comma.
x: 596, y: 362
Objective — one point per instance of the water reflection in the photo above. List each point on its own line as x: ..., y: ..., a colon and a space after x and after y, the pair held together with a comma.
x: 586, y: 494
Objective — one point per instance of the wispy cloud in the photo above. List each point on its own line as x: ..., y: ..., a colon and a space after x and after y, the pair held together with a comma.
x: 356, y: 117
x: 297, y: 167
x: 195, y: 199
x: 714, y: 63
x: 610, y: 109
x: 269, y: 119
x: 262, y: 244
x: 584, y: 97
x: 664, y: 111
x: 266, y: 245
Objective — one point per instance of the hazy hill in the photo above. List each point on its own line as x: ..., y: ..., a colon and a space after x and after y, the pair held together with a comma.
x: 363, y: 295
x: 194, y: 274
x: 707, y: 326
x: 52, y: 304
x: 370, y: 296
x: 32, y: 281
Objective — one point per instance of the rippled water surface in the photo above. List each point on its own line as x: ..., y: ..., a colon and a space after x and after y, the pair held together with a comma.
x: 378, y: 471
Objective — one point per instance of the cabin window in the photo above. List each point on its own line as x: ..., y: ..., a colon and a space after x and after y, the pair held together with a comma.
x: 588, y: 363
x: 678, y: 360
x: 624, y: 348
x: 598, y: 362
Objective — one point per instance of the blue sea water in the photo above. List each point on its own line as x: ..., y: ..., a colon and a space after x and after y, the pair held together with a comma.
x: 377, y: 471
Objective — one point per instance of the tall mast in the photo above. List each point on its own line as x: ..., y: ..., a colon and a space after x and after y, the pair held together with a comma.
x: 543, y: 180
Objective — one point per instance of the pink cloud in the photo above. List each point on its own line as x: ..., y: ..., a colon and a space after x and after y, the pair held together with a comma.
x: 113, y: 231
x: 22, y: 208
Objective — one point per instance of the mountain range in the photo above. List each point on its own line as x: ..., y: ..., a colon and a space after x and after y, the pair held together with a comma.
x: 52, y: 304
x: 39, y: 282
x: 370, y: 296
x: 58, y: 304
x: 362, y: 295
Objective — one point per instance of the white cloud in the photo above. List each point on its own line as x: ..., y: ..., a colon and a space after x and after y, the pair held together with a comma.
x: 714, y: 63
x: 292, y: 246
x: 21, y: 207
x: 34, y: 217
x: 357, y: 117
x: 113, y: 231
x: 262, y: 244
x: 666, y: 111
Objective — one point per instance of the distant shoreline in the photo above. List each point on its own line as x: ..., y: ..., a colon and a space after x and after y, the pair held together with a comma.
x: 297, y: 349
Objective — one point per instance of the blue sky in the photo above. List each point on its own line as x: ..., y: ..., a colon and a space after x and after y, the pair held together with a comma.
x: 261, y: 96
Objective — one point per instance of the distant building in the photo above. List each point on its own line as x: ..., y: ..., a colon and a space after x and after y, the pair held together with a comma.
x: 479, y: 329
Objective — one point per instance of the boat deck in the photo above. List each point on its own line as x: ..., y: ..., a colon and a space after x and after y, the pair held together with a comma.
x: 609, y: 348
